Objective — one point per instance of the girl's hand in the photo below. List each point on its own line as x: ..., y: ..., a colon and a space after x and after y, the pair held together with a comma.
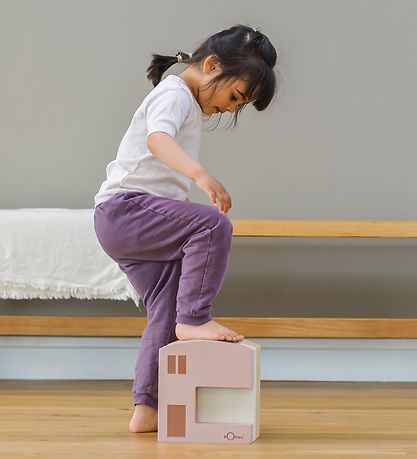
x: 216, y: 191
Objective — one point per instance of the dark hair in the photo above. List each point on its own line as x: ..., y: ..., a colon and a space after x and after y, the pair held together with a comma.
x: 242, y: 52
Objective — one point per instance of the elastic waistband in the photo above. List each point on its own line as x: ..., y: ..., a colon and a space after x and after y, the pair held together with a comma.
x: 123, y: 195
x: 131, y: 194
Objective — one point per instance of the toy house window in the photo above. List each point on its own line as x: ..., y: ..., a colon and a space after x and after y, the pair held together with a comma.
x: 172, y: 364
x: 225, y: 404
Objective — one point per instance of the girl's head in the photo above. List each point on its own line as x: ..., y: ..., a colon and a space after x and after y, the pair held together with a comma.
x: 238, y: 59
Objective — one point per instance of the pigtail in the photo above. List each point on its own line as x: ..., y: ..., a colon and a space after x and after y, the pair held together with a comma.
x: 161, y: 64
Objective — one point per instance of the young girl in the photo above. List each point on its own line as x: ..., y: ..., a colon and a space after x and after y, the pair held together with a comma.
x: 175, y: 252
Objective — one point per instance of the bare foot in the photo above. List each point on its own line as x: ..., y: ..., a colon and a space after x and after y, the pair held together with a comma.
x: 209, y: 330
x: 144, y: 419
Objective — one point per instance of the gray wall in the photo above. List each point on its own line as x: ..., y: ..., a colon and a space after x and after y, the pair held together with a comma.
x: 338, y: 142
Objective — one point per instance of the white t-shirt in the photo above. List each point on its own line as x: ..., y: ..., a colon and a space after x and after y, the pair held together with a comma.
x: 170, y: 107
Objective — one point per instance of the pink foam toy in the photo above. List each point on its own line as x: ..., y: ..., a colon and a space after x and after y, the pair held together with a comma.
x: 209, y: 391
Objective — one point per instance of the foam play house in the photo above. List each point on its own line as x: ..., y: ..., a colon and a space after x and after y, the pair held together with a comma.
x: 209, y: 391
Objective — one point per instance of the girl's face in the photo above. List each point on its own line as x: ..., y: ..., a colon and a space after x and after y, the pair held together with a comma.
x: 226, y: 97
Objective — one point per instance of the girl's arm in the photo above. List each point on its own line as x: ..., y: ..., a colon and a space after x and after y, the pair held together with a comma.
x: 166, y: 149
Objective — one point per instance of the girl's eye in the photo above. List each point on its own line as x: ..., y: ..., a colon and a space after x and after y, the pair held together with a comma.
x: 234, y: 98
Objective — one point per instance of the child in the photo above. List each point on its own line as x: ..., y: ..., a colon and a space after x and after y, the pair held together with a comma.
x: 175, y: 252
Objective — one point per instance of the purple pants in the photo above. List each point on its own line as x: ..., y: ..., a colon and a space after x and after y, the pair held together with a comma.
x: 175, y: 254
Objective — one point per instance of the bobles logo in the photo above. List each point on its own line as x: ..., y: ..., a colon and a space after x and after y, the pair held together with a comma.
x: 233, y: 436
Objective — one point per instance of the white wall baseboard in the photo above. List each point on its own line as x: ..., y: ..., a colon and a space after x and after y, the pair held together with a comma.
x: 292, y: 359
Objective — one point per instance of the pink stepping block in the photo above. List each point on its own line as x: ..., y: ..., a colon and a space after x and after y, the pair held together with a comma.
x: 209, y: 391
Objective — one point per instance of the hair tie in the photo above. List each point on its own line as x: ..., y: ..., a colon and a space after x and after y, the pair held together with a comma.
x: 222, y: 28
x: 180, y: 58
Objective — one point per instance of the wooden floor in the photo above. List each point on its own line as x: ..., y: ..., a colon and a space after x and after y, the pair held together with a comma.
x: 89, y: 419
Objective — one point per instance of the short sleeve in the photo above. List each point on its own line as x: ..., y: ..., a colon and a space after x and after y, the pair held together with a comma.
x: 167, y: 110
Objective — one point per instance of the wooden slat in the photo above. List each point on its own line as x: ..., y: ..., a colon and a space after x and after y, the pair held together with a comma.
x: 260, y: 327
x: 326, y: 228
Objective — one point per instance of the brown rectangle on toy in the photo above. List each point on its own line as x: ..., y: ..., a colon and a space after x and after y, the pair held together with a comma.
x: 176, y: 420
x: 171, y: 364
x: 182, y: 364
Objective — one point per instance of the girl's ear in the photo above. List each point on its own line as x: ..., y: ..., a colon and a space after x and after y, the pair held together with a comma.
x: 211, y: 63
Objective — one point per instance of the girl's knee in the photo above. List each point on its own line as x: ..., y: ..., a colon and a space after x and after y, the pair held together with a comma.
x: 224, y: 227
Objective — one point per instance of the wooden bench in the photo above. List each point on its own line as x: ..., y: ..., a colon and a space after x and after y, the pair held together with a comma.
x: 261, y: 327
